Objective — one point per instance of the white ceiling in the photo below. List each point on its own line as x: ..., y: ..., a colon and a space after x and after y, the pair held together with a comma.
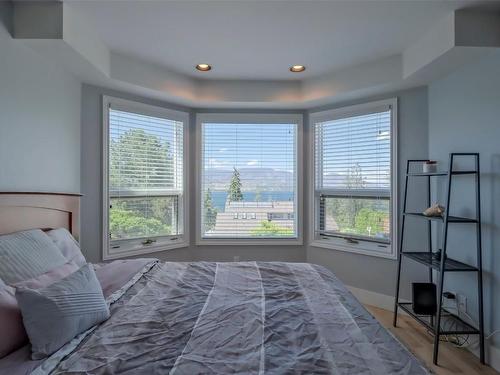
x: 259, y: 40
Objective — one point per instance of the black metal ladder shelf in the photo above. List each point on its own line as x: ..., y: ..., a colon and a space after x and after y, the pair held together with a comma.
x: 440, y: 323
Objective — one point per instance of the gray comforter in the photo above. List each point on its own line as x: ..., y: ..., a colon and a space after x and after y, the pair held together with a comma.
x: 238, y: 318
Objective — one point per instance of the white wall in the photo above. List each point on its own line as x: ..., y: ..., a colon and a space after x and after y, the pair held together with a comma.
x: 464, y: 116
x: 39, y: 119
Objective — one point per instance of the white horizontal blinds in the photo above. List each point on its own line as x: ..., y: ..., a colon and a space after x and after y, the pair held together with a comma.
x: 145, y: 175
x: 249, y: 180
x: 353, y: 174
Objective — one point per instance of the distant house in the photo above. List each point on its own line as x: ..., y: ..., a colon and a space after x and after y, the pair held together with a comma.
x: 244, y: 217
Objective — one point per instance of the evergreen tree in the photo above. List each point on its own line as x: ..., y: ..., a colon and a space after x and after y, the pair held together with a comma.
x: 345, y: 210
x: 235, y: 194
x: 210, y: 211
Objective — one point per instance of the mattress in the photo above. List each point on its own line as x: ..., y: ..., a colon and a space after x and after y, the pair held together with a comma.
x: 235, y: 318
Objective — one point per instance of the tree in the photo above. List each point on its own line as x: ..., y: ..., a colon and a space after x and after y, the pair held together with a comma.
x: 354, y: 178
x: 235, y: 194
x: 127, y: 224
x: 210, y: 211
x: 131, y: 153
x: 344, y: 210
x: 270, y: 229
x: 370, y: 222
x: 138, y: 161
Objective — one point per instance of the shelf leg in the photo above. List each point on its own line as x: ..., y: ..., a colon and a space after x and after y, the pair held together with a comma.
x: 429, y: 228
x: 437, y: 325
x: 479, y: 263
x: 396, y: 300
x: 400, y: 250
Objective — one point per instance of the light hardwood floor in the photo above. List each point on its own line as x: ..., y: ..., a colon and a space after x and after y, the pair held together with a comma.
x: 452, y: 360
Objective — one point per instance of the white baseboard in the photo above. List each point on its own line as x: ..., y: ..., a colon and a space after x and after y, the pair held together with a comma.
x: 383, y: 301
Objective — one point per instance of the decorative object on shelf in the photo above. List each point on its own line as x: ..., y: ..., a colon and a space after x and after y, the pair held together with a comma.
x: 429, y: 166
x: 434, y: 210
x: 424, y: 301
x: 443, y: 322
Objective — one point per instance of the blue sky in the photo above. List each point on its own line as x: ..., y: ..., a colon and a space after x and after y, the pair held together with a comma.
x: 249, y: 146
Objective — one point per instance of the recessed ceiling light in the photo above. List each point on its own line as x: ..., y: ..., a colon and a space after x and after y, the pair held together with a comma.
x: 203, y: 67
x: 297, y: 68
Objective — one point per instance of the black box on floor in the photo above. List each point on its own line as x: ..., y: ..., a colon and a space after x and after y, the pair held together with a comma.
x: 424, y: 298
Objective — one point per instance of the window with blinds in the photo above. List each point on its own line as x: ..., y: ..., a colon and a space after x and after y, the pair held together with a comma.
x: 353, y: 176
x: 145, y: 178
x: 248, y: 180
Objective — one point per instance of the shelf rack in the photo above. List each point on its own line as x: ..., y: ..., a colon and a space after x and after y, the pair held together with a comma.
x: 443, y: 322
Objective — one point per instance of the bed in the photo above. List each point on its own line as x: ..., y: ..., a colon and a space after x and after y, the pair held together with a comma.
x: 225, y: 318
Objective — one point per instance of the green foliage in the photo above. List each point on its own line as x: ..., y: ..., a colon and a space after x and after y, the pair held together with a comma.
x: 235, y: 194
x: 344, y: 210
x: 140, y: 161
x: 370, y: 222
x: 270, y: 229
x: 128, y: 153
x: 210, y: 211
x: 357, y: 215
x: 127, y: 224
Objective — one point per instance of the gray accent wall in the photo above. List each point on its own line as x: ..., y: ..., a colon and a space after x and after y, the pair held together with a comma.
x: 464, y: 116
x: 39, y: 119
x: 378, y: 274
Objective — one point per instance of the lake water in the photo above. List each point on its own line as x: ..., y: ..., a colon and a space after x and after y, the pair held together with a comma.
x: 219, y: 197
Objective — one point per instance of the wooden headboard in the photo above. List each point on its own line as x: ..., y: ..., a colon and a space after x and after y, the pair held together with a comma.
x: 30, y: 210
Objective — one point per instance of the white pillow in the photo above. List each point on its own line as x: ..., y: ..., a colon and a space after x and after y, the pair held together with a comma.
x: 68, y: 245
x: 27, y: 254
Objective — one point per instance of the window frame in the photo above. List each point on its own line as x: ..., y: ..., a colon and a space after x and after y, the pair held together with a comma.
x: 250, y: 118
x: 135, y: 247
x: 365, y: 247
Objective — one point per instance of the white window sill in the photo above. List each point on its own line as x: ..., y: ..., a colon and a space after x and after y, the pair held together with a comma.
x: 366, y: 248
x: 249, y: 242
x: 143, y: 250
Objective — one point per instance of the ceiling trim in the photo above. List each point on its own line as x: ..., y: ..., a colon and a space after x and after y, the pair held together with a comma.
x: 56, y: 30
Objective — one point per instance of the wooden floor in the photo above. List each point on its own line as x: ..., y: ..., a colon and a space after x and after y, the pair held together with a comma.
x: 452, y: 360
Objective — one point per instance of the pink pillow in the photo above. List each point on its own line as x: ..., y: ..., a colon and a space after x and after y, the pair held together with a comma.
x: 48, y: 278
x: 11, y: 323
x: 116, y: 274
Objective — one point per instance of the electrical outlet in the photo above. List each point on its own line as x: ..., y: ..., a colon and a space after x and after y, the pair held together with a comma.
x: 236, y: 258
x: 462, y: 303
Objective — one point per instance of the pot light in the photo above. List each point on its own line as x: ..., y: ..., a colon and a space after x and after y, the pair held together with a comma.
x: 297, y: 68
x: 203, y: 67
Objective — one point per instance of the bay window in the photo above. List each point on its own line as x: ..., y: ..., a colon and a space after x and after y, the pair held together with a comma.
x: 354, y: 178
x: 144, y: 179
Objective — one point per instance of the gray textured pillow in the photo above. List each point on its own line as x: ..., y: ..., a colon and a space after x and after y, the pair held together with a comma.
x: 70, y: 249
x: 54, y: 315
x: 27, y: 254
